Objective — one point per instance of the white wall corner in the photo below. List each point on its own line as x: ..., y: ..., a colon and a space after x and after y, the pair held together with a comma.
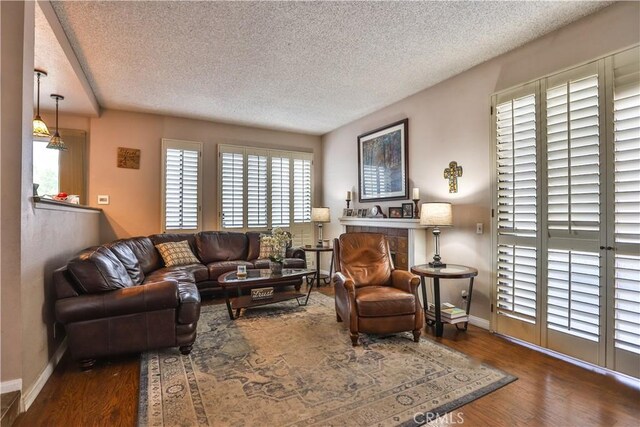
x: 11, y: 385
x: 29, y: 396
x: 480, y: 322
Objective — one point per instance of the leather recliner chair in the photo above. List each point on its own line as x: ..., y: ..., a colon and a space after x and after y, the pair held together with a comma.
x: 370, y: 294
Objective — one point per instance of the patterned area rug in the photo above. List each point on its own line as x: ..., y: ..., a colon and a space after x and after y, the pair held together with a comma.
x: 284, y: 365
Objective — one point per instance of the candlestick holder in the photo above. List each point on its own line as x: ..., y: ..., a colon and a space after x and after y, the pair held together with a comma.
x: 416, y: 211
x: 348, y: 201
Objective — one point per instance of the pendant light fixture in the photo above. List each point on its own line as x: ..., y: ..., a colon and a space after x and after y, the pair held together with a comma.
x: 39, y: 126
x: 56, y: 142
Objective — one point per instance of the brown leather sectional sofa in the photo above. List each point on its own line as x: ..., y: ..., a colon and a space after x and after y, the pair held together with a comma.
x: 120, y: 298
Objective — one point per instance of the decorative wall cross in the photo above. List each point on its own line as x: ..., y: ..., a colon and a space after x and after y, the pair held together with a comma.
x: 452, y: 173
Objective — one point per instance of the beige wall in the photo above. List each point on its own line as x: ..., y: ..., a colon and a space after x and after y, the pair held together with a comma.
x: 134, y: 207
x: 11, y: 113
x: 33, y: 242
x: 451, y: 121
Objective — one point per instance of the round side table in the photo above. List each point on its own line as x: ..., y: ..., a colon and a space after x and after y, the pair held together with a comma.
x: 451, y: 271
x: 318, y: 250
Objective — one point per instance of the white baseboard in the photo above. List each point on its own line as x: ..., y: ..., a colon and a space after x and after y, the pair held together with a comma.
x: 479, y: 322
x: 30, y: 395
x: 11, y: 385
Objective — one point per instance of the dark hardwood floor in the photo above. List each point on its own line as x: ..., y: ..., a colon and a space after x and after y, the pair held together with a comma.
x: 548, y: 392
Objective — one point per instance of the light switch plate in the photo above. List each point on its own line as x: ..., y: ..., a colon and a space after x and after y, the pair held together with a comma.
x: 103, y: 199
x: 479, y: 228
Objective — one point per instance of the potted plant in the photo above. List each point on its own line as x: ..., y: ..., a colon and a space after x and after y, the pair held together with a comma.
x: 277, y: 242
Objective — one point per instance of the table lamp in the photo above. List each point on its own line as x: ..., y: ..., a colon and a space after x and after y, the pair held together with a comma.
x: 320, y: 216
x: 436, y: 215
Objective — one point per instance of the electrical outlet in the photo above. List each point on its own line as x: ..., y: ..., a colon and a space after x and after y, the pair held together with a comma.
x: 464, y: 294
x: 479, y: 228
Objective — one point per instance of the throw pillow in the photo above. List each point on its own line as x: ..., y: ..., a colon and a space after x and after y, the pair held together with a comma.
x: 177, y: 253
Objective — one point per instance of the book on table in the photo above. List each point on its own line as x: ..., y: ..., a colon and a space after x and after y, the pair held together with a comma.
x: 448, y: 312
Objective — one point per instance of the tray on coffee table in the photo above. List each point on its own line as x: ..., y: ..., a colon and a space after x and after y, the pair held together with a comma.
x: 258, y: 278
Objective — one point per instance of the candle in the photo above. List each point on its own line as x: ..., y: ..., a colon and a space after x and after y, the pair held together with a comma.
x: 416, y: 193
x: 348, y: 195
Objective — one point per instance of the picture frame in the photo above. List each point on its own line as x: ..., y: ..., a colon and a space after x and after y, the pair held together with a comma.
x: 395, y: 212
x: 407, y: 210
x: 383, y: 163
x: 128, y: 158
x: 349, y: 212
x: 345, y: 212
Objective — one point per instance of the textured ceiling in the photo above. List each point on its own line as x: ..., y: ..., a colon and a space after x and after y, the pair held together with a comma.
x: 301, y: 66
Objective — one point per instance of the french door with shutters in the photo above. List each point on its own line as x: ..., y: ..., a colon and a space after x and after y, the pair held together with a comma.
x: 567, y: 212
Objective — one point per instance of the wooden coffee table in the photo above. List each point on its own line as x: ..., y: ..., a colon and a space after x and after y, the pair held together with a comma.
x: 258, y: 278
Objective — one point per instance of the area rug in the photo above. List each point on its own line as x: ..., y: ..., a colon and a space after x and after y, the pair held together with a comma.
x: 284, y: 365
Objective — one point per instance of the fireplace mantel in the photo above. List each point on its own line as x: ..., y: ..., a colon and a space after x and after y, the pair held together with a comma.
x: 416, y: 234
x: 407, y: 223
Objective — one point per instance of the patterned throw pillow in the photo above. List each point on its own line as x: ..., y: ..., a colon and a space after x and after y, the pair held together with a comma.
x: 177, y: 253
x: 265, y: 248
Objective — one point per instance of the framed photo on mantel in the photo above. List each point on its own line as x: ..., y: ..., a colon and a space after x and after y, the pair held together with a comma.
x: 383, y: 163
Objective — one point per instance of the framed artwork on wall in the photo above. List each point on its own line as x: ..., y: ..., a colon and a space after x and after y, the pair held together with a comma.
x: 383, y: 163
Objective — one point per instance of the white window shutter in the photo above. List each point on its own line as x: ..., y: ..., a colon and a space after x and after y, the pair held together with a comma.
x: 573, y: 293
x: 232, y: 189
x: 257, y: 191
x: 573, y: 165
x: 516, y: 157
x: 626, y: 112
x: 516, y: 290
x: 301, y: 190
x: 280, y: 192
x: 181, y: 190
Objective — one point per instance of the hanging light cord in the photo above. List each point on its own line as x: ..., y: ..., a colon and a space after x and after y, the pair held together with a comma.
x: 57, y: 99
x: 38, y: 105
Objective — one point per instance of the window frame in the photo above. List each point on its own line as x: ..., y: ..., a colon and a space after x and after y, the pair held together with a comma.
x: 269, y: 153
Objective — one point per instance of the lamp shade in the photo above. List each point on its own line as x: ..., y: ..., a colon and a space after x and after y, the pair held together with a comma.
x: 40, y: 127
x: 320, y: 215
x: 436, y: 214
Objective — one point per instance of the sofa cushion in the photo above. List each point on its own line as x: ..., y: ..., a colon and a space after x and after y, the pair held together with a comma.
x: 254, y: 245
x: 147, y: 254
x: 221, y: 246
x: 170, y: 273
x: 176, y: 253
x: 126, y: 256
x: 175, y: 237
x: 97, y: 269
x: 218, y: 268
x: 194, y: 272
x: 382, y: 301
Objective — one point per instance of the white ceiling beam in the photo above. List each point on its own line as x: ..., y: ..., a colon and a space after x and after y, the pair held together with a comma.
x: 53, y: 21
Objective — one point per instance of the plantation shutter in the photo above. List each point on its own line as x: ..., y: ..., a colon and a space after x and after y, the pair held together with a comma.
x: 232, y: 188
x: 573, y: 163
x: 257, y: 191
x: 280, y: 192
x: 626, y: 117
x: 181, y: 190
x: 301, y: 190
x: 516, y: 296
x: 516, y: 158
x: 573, y: 293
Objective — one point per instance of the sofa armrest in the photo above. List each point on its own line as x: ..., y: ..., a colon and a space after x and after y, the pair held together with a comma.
x: 296, y: 252
x: 136, y: 299
x: 405, y: 281
x: 189, y: 310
